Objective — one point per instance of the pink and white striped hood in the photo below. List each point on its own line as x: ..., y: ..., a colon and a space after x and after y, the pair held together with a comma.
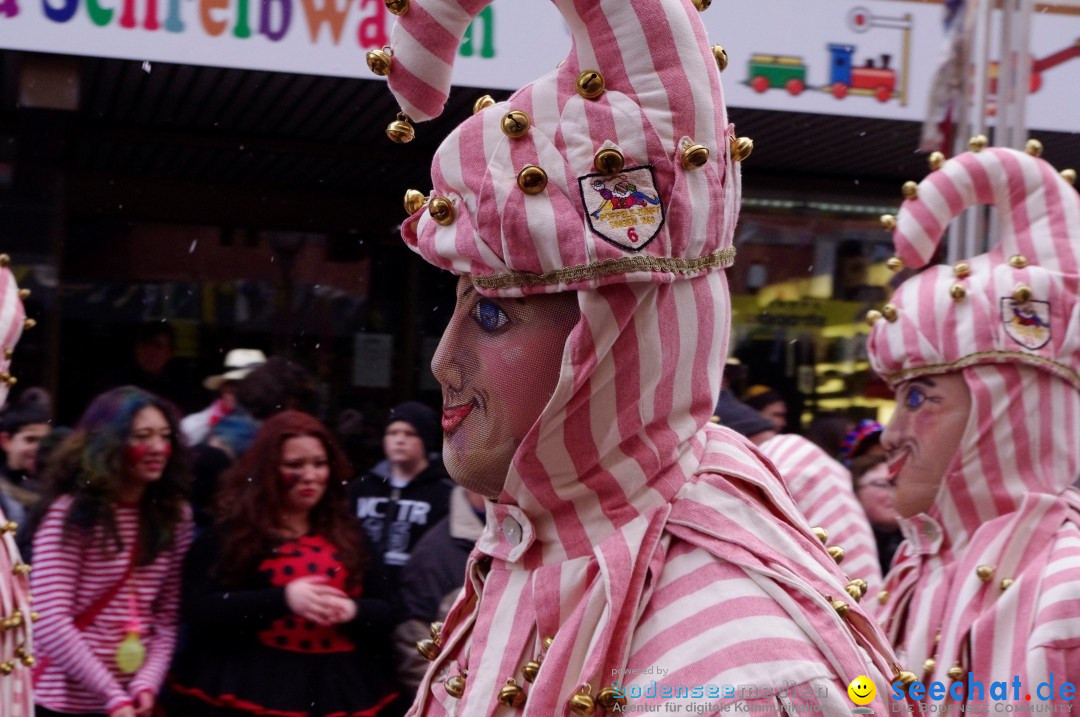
x: 988, y: 580
x: 661, y: 94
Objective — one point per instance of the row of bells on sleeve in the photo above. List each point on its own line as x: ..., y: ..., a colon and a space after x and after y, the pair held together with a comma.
x: 511, y: 694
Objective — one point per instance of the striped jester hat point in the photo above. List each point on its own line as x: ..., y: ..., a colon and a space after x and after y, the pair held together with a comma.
x: 1015, y: 303
x: 617, y: 166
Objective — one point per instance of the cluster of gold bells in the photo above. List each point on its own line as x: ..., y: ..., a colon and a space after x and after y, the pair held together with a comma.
x: 962, y: 270
x: 16, y: 619
x: 532, y: 179
x: 512, y: 694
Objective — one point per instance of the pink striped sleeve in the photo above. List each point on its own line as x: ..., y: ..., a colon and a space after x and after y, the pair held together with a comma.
x: 54, y: 583
x: 166, y: 616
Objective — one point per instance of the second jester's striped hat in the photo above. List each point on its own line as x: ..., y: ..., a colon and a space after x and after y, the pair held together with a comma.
x: 616, y: 166
x: 1015, y: 303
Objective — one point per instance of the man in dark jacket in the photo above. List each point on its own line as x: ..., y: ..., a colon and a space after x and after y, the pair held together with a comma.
x: 396, y: 510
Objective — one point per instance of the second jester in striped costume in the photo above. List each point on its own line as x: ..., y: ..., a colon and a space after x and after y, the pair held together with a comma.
x: 631, y: 547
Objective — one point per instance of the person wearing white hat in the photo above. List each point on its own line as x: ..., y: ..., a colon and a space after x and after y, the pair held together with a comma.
x: 238, y: 364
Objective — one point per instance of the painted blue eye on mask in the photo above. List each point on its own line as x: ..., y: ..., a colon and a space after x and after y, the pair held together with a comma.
x: 915, y: 398
x: 489, y: 316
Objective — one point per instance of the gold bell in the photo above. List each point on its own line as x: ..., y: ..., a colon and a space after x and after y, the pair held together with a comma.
x: 515, y: 123
x: 1018, y: 261
x: 872, y: 317
x: 721, y: 57
x: 9, y: 527
x: 609, y: 697
x: 590, y: 84
x: 962, y: 270
x: 821, y: 533
x: 837, y: 553
x: 28, y: 660
x: 895, y: 264
x: 5, y: 261
x: 1069, y: 175
x: 840, y: 606
x: 24, y: 294
x: 890, y: 312
x: 400, y: 130
x: 455, y: 686
x: 414, y: 201
x: 609, y: 161
x: 530, y: 670
x: 29, y: 324
x: 882, y: 597
x: 441, y: 210
x: 1006, y: 582
x: 582, y: 703
x: 985, y: 573
x: 702, y: 5
x: 958, y: 292
x: 888, y: 222
x: 428, y: 649
x: 6, y: 668
x: 397, y: 7
x: 1034, y: 147
x: 8, y: 353
x: 21, y: 569
x: 956, y: 672
x: 936, y: 160
x: 547, y: 643
x: 928, y: 665
x: 35, y: 616
x: 910, y: 190
x: 532, y: 180
x: 861, y: 584
x: 854, y: 591
x: 906, y: 678
x: 1022, y: 294
x: 511, y: 695
x: 978, y: 143
x: 482, y: 104
x: 741, y: 147
x: 435, y: 629
x: 694, y: 156
x: 11, y: 381
x: 380, y: 62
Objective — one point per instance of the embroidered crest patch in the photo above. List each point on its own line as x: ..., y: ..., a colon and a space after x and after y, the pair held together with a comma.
x: 623, y: 208
x: 1028, y: 324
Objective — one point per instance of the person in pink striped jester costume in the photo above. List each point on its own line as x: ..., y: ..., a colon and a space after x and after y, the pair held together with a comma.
x: 16, y: 638
x: 985, y: 442
x: 633, y: 552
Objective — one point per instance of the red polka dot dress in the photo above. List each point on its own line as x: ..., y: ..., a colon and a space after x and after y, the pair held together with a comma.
x: 249, y: 654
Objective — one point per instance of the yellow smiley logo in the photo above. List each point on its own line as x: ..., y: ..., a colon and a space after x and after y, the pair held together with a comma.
x: 862, y: 690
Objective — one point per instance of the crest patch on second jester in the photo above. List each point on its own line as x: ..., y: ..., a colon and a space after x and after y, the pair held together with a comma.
x: 1028, y: 324
x: 623, y: 208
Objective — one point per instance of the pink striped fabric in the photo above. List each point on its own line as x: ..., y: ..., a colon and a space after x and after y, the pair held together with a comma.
x: 662, y: 92
x: 1006, y: 502
x: 824, y: 493
x: 16, y: 699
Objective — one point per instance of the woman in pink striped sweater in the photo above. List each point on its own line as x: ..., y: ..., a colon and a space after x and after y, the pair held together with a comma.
x: 107, y: 557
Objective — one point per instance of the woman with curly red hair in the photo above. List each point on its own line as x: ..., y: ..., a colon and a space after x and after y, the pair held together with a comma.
x: 275, y: 595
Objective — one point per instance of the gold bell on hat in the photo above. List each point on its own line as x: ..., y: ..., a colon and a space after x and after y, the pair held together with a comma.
x: 1069, y: 175
x: 400, y: 130
x: 861, y: 584
x: 821, y: 533
x: 441, y: 210
x: 6, y: 668
x: 482, y: 104
x: 455, y: 686
x: 609, y: 161
x: 840, y: 606
x: 24, y: 294
x: 895, y: 264
x: 741, y: 147
x: 530, y: 670
x: 906, y: 678
x: 985, y: 573
x: 694, y: 156
x: 414, y: 200
x: 872, y: 317
x: 721, y: 57
x: 428, y: 649
x: 956, y: 672
x: 582, y: 703
x: 532, y: 180
x: 397, y: 7
x: 910, y: 190
x: 380, y: 62
x: 936, y: 160
x: 435, y: 629
x: 511, y: 695
x: 888, y: 222
x: 1018, y: 261
x: 1022, y: 294
x: 515, y: 123
x: 1034, y: 147
x: 590, y: 84
x: 978, y: 143
x: 837, y: 553
x: 854, y: 591
x: 702, y: 5
x: 958, y: 292
x: 890, y: 312
x: 609, y: 698
x: 962, y: 270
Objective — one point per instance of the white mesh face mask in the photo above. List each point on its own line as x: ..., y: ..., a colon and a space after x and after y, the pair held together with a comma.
x: 498, y: 364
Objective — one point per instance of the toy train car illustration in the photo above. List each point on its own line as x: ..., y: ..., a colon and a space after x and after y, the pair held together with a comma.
x: 874, y: 78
